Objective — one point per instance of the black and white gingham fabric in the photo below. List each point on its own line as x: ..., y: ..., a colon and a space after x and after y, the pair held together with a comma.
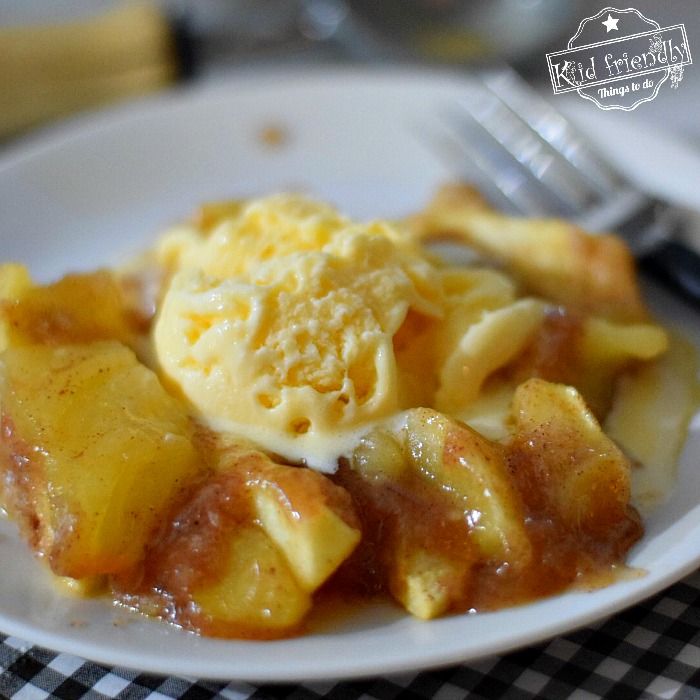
x: 649, y: 651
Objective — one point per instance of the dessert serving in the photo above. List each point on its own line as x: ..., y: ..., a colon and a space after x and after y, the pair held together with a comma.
x: 277, y: 406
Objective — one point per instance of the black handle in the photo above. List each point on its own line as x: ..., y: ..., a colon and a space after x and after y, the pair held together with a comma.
x: 677, y: 267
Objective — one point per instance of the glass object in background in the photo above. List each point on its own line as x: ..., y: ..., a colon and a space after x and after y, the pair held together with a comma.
x: 62, y: 56
x: 472, y: 31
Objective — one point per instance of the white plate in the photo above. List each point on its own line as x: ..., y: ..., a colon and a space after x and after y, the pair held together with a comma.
x: 79, y: 196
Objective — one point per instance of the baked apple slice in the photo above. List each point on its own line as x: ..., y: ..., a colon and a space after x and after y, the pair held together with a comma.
x: 245, y: 553
x: 95, y: 453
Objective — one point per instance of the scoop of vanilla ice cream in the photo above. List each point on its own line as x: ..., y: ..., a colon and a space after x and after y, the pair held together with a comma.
x: 280, y: 324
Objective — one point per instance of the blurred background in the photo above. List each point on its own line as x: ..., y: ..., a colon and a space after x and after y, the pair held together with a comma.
x: 62, y: 57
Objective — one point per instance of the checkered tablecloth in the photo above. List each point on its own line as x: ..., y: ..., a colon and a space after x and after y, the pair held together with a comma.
x: 651, y: 650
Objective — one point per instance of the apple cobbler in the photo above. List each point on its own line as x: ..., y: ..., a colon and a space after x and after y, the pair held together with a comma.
x: 277, y: 405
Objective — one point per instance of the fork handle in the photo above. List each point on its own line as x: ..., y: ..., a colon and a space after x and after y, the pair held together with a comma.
x: 676, y: 266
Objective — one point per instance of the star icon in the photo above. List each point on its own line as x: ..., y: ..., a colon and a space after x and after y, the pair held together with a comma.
x: 610, y: 23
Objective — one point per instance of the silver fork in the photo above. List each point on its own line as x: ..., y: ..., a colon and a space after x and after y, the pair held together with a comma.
x: 531, y: 159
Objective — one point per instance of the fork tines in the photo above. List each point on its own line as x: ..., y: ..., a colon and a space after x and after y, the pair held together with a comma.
x: 528, y: 151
